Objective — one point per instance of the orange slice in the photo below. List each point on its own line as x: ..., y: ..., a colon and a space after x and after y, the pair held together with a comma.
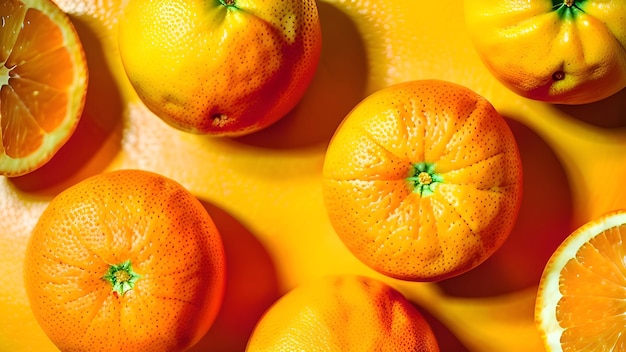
x: 581, y: 298
x: 43, y: 81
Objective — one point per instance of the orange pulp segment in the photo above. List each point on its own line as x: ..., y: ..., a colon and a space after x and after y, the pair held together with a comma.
x: 581, y: 296
x: 43, y: 81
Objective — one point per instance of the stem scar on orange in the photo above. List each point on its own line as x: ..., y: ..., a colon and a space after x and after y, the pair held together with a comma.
x: 581, y: 295
x: 423, y: 180
x: 126, y: 260
x: 43, y: 79
x: 557, y: 51
x: 220, y: 67
x: 343, y: 313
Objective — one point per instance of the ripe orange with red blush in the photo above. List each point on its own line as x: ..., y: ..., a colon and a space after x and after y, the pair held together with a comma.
x: 226, y: 67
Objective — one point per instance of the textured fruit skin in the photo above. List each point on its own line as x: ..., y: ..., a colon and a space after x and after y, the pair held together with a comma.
x: 106, y: 220
x: 211, y: 68
x: 343, y: 313
x: 547, y: 51
x: 499, y: 323
x: 452, y: 225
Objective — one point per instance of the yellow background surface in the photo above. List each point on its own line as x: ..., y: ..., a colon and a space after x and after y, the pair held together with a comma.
x: 264, y: 190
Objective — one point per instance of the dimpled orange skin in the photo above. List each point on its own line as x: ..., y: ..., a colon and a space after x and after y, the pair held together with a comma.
x: 343, y: 313
x: 563, y: 52
x: 422, y: 181
x: 108, y: 219
x: 221, y: 67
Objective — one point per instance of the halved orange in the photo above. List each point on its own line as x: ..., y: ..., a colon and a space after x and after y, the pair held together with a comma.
x: 43, y: 81
x: 581, y: 298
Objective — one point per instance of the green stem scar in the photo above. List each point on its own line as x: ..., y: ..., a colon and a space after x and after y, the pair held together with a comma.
x: 567, y: 8
x: 122, y: 277
x: 424, y: 179
x: 228, y: 3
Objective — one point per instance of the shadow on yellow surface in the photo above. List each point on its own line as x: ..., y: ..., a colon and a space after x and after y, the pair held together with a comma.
x: 96, y: 140
x: 405, y: 41
x: 445, y: 338
x: 607, y: 113
x: 544, y: 220
x: 338, y: 85
x: 251, y: 286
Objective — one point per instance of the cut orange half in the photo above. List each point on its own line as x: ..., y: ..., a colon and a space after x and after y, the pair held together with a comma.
x: 43, y: 79
x: 582, y: 293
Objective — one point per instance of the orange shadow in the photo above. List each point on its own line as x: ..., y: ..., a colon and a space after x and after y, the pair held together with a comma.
x: 338, y: 85
x: 608, y: 113
x: 251, y: 287
x: 544, y: 220
x: 446, y: 339
x: 97, y: 137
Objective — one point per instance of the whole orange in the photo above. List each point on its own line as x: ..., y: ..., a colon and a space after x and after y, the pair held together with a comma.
x: 423, y: 180
x: 126, y: 260
x: 343, y: 313
x: 224, y: 67
x: 567, y: 51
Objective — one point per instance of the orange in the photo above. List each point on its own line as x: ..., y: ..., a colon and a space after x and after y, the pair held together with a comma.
x: 545, y: 218
x: 44, y: 81
x: 580, y: 300
x: 567, y: 52
x: 343, y: 313
x: 292, y: 202
x: 125, y: 260
x: 422, y: 180
x: 225, y: 67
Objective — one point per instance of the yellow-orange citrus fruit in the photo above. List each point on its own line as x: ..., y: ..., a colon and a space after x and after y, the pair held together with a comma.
x: 224, y: 67
x: 343, y: 313
x: 423, y: 180
x: 43, y: 79
x: 559, y: 51
x: 125, y: 261
x: 581, y: 297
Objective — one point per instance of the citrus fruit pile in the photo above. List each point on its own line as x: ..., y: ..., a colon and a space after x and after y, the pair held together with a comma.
x: 312, y: 175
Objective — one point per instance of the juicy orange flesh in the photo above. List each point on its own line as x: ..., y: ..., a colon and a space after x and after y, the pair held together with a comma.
x: 35, y: 100
x: 593, y: 285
